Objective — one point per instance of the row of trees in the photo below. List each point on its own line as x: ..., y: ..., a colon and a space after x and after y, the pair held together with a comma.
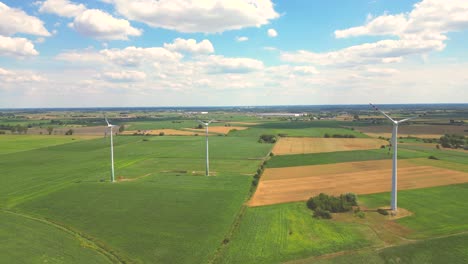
x: 454, y: 141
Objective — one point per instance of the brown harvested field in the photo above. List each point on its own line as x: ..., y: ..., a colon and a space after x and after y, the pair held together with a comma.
x: 218, y: 129
x: 417, y: 130
x: 291, y: 145
x: 281, y: 185
x: 167, y: 132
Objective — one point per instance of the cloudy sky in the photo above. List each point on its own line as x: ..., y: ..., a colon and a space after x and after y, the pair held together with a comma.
x: 73, y: 53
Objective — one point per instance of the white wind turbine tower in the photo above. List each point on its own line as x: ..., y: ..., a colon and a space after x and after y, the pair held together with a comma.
x: 206, y: 124
x: 112, y: 148
x: 395, y: 150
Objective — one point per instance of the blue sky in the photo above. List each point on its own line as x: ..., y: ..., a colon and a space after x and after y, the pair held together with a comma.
x: 63, y: 53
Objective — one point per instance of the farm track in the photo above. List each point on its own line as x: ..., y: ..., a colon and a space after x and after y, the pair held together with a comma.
x: 85, y: 240
x: 237, y: 221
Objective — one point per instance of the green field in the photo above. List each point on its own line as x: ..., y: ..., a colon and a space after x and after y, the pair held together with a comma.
x: 273, y: 234
x: 437, y: 211
x: 58, y: 206
x: 298, y: 129
x: 18, y: 143
x: 453, y: 249
x: 24, y: 240
x: 171, y: 214
x: 339, y: 156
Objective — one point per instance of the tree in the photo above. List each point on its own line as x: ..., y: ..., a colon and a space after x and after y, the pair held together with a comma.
x: 69, y: 132
x: 121, y: 128
x: 50, y: 130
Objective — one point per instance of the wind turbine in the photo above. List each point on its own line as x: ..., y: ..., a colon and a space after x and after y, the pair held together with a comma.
x: 395, y: 150
x: 206, y: 124
x: 109, y: 125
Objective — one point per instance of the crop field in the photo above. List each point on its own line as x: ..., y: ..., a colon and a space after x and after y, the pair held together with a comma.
x: 339, y: 156
x: 277, y: 233
x: 280, y: 185
x: 25, y: 240
x: 220, y: 129
x: 145, y: 220
x: 404, y: 135
x: 291, y: 145
x: 299, y: 129
x: 18, y: 143
x: 167, y: 132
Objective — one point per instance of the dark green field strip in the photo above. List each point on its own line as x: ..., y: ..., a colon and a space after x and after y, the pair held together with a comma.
x: 339, y: 156
x: 256, y: 131
x: 157, y: 220
x: 274, y: 234
x: 26, y: 240
x: 437, y: 211
x: 452, y: 249
x: 442, y: 154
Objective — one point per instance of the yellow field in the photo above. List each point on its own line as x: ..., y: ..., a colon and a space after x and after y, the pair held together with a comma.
x: 290, y: 145
x: 281, y: 185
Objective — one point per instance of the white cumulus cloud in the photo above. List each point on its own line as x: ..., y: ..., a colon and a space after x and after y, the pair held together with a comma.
x: 190, y: 45
x: 62, y: 8
x: 219, y: 64
x: 241, y: 39
x: 16, y: 47
x: 272, y: 33
x: 123, y: 76
x: 14, y: 21
x: 207, y: 16
x: 92, y: 23
x: 100, y: 25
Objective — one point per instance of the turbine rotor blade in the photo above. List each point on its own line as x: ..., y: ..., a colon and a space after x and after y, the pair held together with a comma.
x: 409, y: 118
x: 377, y: 109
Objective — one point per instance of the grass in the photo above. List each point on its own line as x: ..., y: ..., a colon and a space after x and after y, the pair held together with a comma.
x: 273, y: 234
x: 453, y: 249
x: 337, y: 157
x: 24, y: 240
x: 437, y: 211
x: 18, y: 143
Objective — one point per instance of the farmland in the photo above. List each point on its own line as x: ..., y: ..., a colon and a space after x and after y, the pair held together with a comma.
x: 162, y: 209
x: 292, y: 145
x: 289, y: 184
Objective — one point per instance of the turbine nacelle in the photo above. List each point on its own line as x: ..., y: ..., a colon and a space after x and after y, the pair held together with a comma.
x: 205, y: 123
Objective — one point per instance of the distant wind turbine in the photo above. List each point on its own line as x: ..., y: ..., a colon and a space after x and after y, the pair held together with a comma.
x: 109, y: 125
x: 395, y: 150
x: 206, y: 124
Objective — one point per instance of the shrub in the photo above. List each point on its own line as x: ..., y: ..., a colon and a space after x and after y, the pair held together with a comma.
x: 382, y: 211
x: 69, y: 132
x: 382, y: 146
x: 433, y: 157
x: 161, y: 133
x: 267, y: 138
x: 2, y: 132
x: 320, y: 213
x: 343, y: 203
x: 326, y: 135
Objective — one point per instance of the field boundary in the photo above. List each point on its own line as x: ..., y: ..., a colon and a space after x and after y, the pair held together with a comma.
x: 85, y: 240
x: 237, y: 221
